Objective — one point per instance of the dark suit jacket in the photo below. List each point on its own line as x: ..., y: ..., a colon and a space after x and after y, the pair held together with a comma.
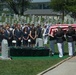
x: 17, y: 34
x: 7, y: 35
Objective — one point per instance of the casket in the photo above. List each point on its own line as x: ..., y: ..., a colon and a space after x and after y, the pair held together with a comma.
x: 54, y: 27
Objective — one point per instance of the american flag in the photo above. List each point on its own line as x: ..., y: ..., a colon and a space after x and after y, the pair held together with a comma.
x: 54, y: 27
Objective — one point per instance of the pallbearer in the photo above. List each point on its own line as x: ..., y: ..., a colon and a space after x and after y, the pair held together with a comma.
x: 52, y: 42
x: 69, y: 35
x: 59, y: 34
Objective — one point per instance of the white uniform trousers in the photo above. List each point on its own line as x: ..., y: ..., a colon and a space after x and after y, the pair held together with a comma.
x: 60, y: 49
x: 70, y: 48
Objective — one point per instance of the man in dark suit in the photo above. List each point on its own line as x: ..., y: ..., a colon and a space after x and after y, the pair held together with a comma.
x: 8, y: 36
x: 18, y: 35
x: 39, y: 41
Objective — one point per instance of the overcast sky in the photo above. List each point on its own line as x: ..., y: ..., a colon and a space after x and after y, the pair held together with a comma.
x: 40, y: 0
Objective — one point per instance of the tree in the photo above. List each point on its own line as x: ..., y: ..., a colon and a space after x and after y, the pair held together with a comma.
x: 18, y: 6
x: 13, y: 5
x: 71, y: 7
x: 63, y: 6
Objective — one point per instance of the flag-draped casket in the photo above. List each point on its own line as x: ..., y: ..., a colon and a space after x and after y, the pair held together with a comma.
x: 53, y: 28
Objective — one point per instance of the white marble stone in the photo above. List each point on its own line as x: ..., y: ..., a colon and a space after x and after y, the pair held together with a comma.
x: 4, y: 50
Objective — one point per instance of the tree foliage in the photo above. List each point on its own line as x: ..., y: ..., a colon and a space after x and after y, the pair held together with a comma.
x: 64, y: 5
x: 57, y: 5
x: 18, y: 6
x: 60, y: 5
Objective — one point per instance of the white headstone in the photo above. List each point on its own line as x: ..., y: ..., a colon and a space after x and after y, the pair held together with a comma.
x: 69, y: 20
x: 2, y: 14
x: 0, y: 18
x: 40, y: 43
x: 28, y: 20
x: 39, y: 18
x: 5, y: 50
x: 65, y: 19
x: 14, y: 16
x: 33, y: 18
x: 6, y: 20
x: 1, y: 23
x: 72, y: 20
x: 39, y: 22
x: 17, y: 18
x: 12, y: 21
x: 25, y: 18
x: 31, y: 22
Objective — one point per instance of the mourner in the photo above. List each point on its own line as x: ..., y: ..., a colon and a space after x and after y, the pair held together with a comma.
x: 33, y: 36
x: 69, y: 35
x: 18, y: 35
x: 8, y: 35
x: 59, y: 35
x: 39, y: 35
x: 1, y: 35
x: 45, y: 35
x: 25, y: 36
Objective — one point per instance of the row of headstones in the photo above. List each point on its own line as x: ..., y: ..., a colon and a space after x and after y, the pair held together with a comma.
x: 35, y: 19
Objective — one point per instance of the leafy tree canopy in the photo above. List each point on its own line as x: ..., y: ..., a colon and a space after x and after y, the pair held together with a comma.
x: 63, y: 5
x: 18, y: 6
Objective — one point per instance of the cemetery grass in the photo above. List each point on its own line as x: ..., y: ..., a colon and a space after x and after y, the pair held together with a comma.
x: 29, y: 65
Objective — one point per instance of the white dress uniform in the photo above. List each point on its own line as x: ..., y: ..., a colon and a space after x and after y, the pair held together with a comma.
x: 59, y: 38
x: 69, y: 36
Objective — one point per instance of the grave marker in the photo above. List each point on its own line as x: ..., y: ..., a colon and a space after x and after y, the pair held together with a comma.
x: 4, y: 50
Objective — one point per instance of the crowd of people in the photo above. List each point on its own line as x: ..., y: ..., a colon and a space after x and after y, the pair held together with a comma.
x: 29, y: 35
x: 21, y: 35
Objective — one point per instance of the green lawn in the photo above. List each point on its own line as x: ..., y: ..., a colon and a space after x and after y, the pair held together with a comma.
x: 29, y: 65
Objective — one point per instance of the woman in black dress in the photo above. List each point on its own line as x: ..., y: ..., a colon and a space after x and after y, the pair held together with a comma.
x: 25, y: 36
x: 33, y: 36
